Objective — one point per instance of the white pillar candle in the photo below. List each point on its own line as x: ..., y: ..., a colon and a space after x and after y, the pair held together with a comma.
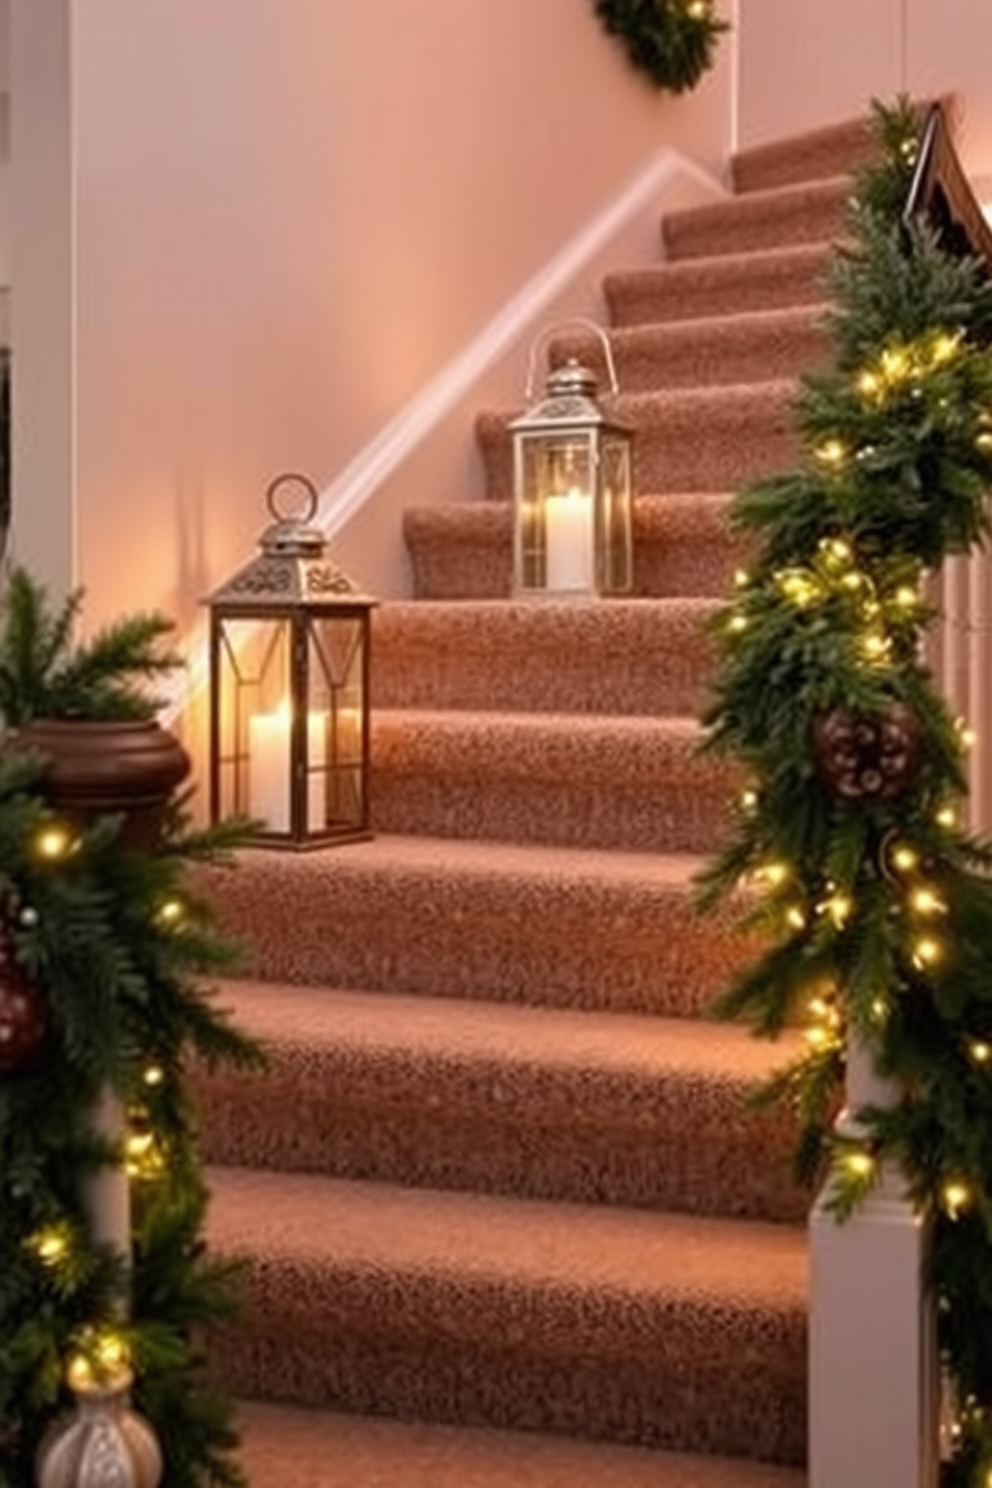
x: 569, y: 537
x: 269, y: 769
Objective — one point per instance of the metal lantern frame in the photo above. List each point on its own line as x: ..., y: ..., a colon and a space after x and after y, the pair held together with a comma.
x: 291, y: 624
x: 572, y: 484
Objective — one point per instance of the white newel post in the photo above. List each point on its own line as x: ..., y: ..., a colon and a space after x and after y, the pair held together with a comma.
x: 108, y: 1194
x: 874, y: 1380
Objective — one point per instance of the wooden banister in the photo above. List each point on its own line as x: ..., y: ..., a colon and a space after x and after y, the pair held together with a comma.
x: 940, y: 194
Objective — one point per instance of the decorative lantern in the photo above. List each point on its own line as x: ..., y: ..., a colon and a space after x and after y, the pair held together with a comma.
x: 572, y: 487
x: 289, y: 688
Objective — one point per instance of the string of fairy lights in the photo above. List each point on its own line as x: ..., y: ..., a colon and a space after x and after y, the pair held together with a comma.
x: 852, y: 861
x: 100, y: 1355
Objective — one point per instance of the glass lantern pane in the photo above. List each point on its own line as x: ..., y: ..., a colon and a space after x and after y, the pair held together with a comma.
x: 554, y: 534
x: 252, y: 689
x: 615, y: 516
x: 337, y: 685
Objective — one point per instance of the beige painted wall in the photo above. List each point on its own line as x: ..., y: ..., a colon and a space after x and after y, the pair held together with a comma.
x: 287, y: 214
x: 804, y: 63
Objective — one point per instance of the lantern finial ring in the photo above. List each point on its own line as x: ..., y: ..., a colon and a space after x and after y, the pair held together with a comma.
x: 561, y: 325
x: 292, y: 477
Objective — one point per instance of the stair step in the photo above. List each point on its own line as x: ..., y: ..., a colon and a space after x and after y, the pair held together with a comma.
x: 687, y: 439
x: 624, y: 656
x: 608, y: 1108
x: 812, y: 212
x: 728, y: 284
x: 486, y: 921
x: 650, y: 1329
x: 287, y: 1448
x: 831, y: 150
x: 710, y: 351
x: 560, y: 779
x: 683, y: 547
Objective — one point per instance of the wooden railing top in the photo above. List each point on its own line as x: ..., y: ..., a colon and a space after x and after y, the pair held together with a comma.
x: 941, y: 195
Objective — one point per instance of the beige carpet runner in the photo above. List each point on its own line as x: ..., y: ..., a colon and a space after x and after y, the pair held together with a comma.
x: 508, y: 1221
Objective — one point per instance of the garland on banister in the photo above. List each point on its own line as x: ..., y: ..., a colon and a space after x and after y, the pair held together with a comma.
x: 873, y: 901
x: 671, y: 41
x: 101, y: 951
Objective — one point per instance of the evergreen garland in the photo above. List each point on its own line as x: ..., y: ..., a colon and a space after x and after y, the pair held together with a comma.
x: 671, y: 41
x: 111, y: 943
x: 873, y: 902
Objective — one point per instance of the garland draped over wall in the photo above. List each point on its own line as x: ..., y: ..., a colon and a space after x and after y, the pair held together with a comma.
x: 671, y: 41
x: 874, y: 902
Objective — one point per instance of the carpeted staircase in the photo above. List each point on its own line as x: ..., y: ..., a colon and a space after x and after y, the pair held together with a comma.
x: 508, y: 1220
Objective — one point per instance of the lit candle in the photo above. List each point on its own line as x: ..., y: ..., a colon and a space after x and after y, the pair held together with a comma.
x: 269, y: 769
x: 570, y: 544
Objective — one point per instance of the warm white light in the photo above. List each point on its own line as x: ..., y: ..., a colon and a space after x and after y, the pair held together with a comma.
x: 799, y: 587
x: 946, y: 816
x: 839, y: 909
x: 905, y: 858
x: 896, y: 364
x: 105, y: 1360
x: 50, y: 1246
x: 796, y: 918
x: 154, y: 1075
x: 956, y: 1196
x: 861, y: 1164
x: 831, y: 452
x: 926, y: 902
x: 944, y: 347
x: 875, y: 646
x: 981, y: 1052
x: 926, y: 952
x: 53, y: 842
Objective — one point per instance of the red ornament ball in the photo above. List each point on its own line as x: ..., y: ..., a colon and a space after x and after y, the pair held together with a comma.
x: 23, y: 1021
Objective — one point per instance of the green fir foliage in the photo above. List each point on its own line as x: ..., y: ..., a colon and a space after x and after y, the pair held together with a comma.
x: 116, y: 945
x: 44, y: 673
x: 672, y: 42
x: 875, y: 907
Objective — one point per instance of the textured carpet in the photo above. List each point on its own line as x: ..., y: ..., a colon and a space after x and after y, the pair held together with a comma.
x: 287, y: 1448
x: 506, y: 1212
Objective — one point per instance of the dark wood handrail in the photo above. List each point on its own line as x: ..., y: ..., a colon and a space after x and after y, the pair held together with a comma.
x: 940, y: 194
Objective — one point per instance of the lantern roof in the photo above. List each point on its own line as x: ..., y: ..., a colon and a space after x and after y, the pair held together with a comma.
x: 570, y: 400
x: 291, y: 567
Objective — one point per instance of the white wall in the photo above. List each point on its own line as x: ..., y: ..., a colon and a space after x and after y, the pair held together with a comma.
x: 804, y: 63
x: 286, y: 216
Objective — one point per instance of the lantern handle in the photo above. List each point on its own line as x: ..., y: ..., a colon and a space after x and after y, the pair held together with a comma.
x: 292, y: 477
x: 587, y: 325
